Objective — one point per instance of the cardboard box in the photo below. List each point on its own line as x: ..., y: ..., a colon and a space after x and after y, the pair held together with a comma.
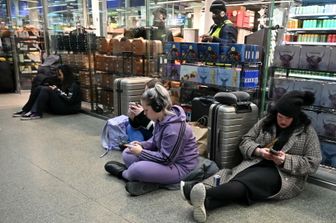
x: 207, y: 75
x: 189, y: 52
x: 328, y: 95
x: 313, y: 116
x: 287, y: 56
x: 313, y: 86
x: 327, y: 125
x: 280, y: 87
x: 228, y: 77
x: 250, y: 79
x: 172, y: 50
x: 189, y: 73
x: 172, y: 71
x: 314, y: 57
x: 209, y: 52
x: 332, y: 64
x: 328, y: 153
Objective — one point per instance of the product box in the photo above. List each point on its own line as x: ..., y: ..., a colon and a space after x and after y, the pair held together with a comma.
x: 237, y: 53
x: 328, y: 95
x: 172, y: 50
x: 189, y: 73
x: 287, y: 56
x: 224, y: 54
x: 207, y: 75
x: 314, y: 57
x: 228, y: 77
x: 256, y: 52
x: 332, y: 64
x: 209, y: 52
x: 281, y: 86
x: 249, y: 79
x: 327, y: 125
x: 189, y: 52
x: 328, y: 153
x: 313, y: 116
x: 313, y: 86
x: 172, y: 71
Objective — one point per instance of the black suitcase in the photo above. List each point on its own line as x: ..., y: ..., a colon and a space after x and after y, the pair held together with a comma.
x: 200, y: 109
x: 229, y: 120
x: 7, y: 83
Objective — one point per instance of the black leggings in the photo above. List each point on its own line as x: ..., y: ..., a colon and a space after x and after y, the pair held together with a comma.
x: 233, y: 191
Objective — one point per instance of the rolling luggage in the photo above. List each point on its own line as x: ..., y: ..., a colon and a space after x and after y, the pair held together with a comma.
x: 126, y: 90
x: 229, y: 119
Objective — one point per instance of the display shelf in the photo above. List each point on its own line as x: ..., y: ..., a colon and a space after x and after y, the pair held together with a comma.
x: 310, y: 43
x: 312, y: 16
x: 313, y: 30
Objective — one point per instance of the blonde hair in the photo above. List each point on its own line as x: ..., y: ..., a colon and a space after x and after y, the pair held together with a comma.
x: 158, y: 98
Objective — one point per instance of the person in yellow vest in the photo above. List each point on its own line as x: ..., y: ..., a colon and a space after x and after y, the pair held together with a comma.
x: 223, y: 31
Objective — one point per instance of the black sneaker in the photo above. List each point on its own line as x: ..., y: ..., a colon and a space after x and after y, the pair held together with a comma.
x: 140, y: 188
x: 31, y: 116
x: 185, y: 189
x: 18, y: 114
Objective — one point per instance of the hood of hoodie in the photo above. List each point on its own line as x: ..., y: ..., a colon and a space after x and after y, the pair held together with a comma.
x: 177, y: 116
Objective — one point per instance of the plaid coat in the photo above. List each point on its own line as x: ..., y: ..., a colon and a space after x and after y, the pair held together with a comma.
x: 303, y: 156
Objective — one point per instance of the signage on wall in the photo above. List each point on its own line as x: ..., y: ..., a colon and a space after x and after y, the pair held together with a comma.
x: 121, y: 3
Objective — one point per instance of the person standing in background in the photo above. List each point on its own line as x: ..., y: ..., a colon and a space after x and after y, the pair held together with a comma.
x: 223, y: 31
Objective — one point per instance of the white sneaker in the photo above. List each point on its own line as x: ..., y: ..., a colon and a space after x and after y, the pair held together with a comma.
x: 197, y: 198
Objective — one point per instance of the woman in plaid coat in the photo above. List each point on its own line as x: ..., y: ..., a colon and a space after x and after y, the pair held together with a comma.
x: 279, y: 153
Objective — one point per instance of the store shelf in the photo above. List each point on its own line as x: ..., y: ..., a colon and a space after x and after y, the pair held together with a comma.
x: 310, y: 43
x: 313, y: 30
x: 310, y: 16
x: 313, y: 77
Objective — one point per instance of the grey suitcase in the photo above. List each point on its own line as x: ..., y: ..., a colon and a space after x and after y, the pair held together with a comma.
x: 126, y: 90
x: 229, y: 120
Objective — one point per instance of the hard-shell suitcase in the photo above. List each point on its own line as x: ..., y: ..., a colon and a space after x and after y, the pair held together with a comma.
x: 126, y: 90
x: 229, y: 119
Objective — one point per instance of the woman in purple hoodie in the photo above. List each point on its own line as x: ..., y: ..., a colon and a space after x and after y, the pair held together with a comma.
x: 167, y: 157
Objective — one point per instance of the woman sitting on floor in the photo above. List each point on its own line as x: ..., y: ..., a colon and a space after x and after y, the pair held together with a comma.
x: 167, y: 157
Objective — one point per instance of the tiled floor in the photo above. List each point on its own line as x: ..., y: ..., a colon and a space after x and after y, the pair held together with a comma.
x: 50, y: 171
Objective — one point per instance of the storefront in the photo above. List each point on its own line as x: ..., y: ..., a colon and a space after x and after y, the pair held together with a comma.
x: 90, y: 36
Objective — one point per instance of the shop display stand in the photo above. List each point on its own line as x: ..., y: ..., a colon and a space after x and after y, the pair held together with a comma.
x: 29, y: 53
x: 312, y: 23
x: 81, y: 59
x: 197, y: 89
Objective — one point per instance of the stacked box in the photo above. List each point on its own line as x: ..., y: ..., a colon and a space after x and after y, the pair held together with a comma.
x: 107, y: 80
x: 327, y: 125
x: 314, y: 57
x: 189, y: 52
x: 281, y: 86
x: 328, y: 95
x: 84, y: 78
x: 207, y: 75
x: 250, y: 79
x: 314, y: 87
x: 209, y: 52
x: 172, y: 71
x: 328, y: 150
x: 332, y: 64
x: 189, y: 73
x: 172, y: 50
x: 313, y: 116
x: 228, y: 77
x: 287, y: 56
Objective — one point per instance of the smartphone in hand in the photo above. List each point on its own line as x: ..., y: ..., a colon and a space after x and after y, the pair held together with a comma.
x: 274, y: 152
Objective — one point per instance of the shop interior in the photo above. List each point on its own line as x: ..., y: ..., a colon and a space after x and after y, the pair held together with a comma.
x: 90, y: 35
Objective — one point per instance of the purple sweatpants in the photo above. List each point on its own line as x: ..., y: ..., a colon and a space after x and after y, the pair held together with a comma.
x: 148, y: 171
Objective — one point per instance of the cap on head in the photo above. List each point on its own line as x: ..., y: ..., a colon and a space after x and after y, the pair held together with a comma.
x: 218, y: 5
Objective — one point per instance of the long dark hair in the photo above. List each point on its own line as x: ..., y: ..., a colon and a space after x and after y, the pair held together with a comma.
x: 301, y: 120
x: 68, y: 77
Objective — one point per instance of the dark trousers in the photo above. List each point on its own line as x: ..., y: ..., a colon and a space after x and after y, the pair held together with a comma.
x: 44, y: 99
x: 38, y: 100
